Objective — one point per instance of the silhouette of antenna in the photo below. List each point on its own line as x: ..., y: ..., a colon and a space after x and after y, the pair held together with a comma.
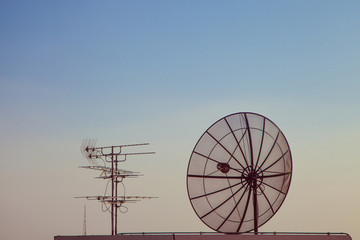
x: 99, y: 158
x: 84, y: 224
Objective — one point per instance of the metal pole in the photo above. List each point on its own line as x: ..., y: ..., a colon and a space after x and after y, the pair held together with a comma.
x: 116, y: 194
x: 256, y: 208
x: 112, y: 190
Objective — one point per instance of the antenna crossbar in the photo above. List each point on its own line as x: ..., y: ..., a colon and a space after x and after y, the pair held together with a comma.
x: 108, y: 169
x: 121, y: 146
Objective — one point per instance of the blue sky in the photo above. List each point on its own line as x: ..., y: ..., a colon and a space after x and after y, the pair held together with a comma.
x: 163, y: 72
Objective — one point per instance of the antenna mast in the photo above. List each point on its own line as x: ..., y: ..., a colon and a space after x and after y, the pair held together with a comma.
x: 112, y: 155
x: 84, y: 224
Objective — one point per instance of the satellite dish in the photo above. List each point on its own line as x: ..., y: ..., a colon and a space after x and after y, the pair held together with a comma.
x: 239, y: 173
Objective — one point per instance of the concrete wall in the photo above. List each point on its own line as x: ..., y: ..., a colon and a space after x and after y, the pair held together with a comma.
x: 179, y: 236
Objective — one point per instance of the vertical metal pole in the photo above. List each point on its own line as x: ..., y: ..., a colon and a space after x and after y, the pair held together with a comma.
x: 253, y: 179
x: 256, y: 208
x: 116, y: 194
x: 112, y: 190
x: 84, y: 224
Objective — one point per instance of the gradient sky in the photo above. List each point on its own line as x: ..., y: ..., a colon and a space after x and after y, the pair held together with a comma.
x: 163, y: 72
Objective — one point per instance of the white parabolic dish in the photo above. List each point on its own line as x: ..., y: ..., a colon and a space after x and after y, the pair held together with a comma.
x: 239, y: 173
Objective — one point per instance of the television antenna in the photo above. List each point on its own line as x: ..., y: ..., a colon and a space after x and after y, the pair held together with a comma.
x: 239, y: 173
x: 84, y: 223
x: 100, y: 158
